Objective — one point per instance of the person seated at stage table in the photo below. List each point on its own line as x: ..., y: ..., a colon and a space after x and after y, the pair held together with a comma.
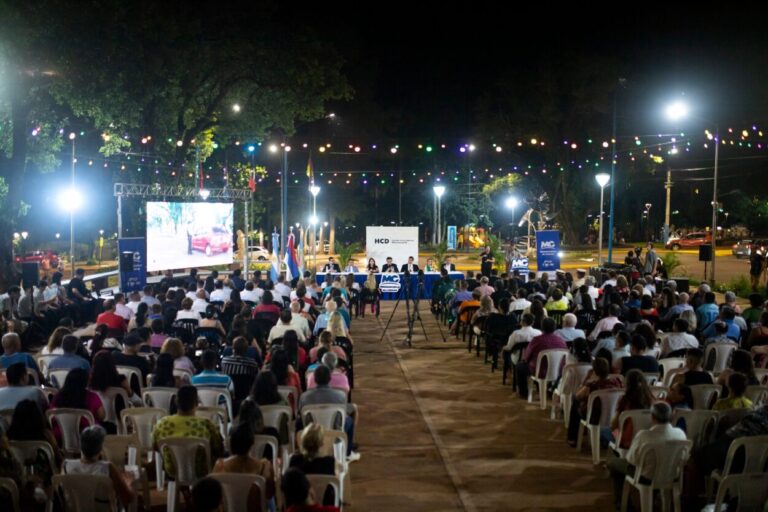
x: 389, y: 266
x: 430, y: 266
x: 372, y: 266
x: 409, y: 267
x: 448, y: 264
x: 331, y: 266
x: 351, y: 266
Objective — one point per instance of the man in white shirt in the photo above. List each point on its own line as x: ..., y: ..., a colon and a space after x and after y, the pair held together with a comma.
x: 219, y: 294
x: 351, y: 267
x: 611, y: 280
x: 251, y: 293
x: 580, y: 278
x: 121, y: 309
x: 523, y: 335
x: 607, y: 323
x: 661, y: 431
x: 521, y: 303
x: 284, y: 325
x: 199, y: 305
x: 569, y: 332
x: 298, y: 321
x: 133, y: 305
x: 281, y: 288
x: 591, y: 289
x: 678, y: 339
x: 149, y: 296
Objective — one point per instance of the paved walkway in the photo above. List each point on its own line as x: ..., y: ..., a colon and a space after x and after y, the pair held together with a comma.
x: 439, y: 432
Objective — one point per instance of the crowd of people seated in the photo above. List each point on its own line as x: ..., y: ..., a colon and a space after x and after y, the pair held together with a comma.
x: 626, y: 347
x: 236, y: 363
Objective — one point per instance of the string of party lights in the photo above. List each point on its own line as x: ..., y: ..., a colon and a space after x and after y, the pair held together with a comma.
x: 583, y: 153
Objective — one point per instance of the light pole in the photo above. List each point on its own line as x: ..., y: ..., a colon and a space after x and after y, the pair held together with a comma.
x: 283, y: 193
x: 314, y: 190
x: 511, y: 203
x: 439, y: 191
x: 71, y: 201
x: 101, y: 245
x: 679, y: 110
x: 602, y: 180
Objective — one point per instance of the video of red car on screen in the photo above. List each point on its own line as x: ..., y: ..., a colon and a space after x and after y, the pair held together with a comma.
x: 212, y: 240
x: 39, y: 257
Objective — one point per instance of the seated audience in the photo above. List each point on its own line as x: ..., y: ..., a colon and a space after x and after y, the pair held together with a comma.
x: 241, y: 441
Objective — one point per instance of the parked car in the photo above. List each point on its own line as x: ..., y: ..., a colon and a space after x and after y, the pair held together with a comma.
x: 743, y: 248
x: 39, y: 257
x: 695, y: 239
x: 211, y: 240
x: 258, y: 252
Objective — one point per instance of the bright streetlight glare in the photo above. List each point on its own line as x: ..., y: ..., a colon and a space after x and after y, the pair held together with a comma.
x: 314, y: 190
x: 204, y: 193
x: 331, y: 115
x: 70, y: 199
x: 72, y: 136
x: 511, y: 202
x: 24, y: 235
x: 472, y: 147
x: 236, y: 108
x: 439, y: 190
x: 273, y: 148
x: 313, y: 220
x: 602, y: 179
x: 676, y: 110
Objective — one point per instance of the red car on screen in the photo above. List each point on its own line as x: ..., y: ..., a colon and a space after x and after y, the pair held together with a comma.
x: 690, y: 240
x: 39, y: 257
x: 212, y: 240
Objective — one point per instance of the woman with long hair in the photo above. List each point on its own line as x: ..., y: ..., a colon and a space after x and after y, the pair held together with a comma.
x: 76, y: 395
x: 211, y: 320
x: 539, y: 313
x: 29, y: 424
x: 54, y: 342
x: 637, y: 395
x: 372, y: 267
x: 284, y: 372
x: 104, y: 374
x: 741, y: 362
x: 140, y: 320
x: 264, y: 390
x: 250, y: 414
x: 163, y: 376
x: 338, y: 328
x: 175, y: 347
x: 240, y: 461
x: 326, y: 341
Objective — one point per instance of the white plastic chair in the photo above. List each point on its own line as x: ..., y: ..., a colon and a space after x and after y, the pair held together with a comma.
x: 659, y: 392
x: 69, y: 424
x: 111, y: 398
x: 670, y: 375
x: 554, y: 359
x: 212, y: 397
x: 335, y: 443
x: 609, y: 399
x: 237, y: 487
x: 330, y: 416
x: 258, y: 450
x: 122, y: 450
x: 279, y: 418
x: 641, y: 420
x: 183, y: 452
x: 44, y: 361
x: 162, y: 398
x: 26, y: 452
x: 652, y: 378
x: 572, y: 376
x: 80, y: 491
x: 6, y: 416
x: 669, y: 458
x: 132, y: 374
x: 183, y: 375
x: 321, y: 482
x: 217, y: 415
x: 700, y: 426
x: 762, y: 375
x: 33, y: 379
x: 141, y: 421
x: 758, y: 395
x: 705, y: 395
x: 670, y: 363
x: 8, y: 485
x: 721, y: 355
x: 755, y: 456
x: 57, y: 377
x: 291, y: 395
x: 751, y: 489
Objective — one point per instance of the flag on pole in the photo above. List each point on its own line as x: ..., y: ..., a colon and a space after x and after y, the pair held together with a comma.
x: 300, y: 254
x: 291, y: 263
x: 310, y: 170
x: 252, y: 180
x: 274, y: 270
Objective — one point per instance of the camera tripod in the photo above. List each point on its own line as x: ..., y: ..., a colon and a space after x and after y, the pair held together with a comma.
x: 411, y: 317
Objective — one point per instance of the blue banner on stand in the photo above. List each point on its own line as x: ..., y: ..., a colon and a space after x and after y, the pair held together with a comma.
x: 547, y: 249
x: 451, y: 240
x: 521, y: 265
x: 133, y: 264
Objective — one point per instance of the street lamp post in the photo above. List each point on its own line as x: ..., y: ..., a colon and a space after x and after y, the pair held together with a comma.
x: 677, y: 111
x: 511, y: 203
x: 602, y: 180
x: 72, y: 212
x: 314, y: 190
x: 439, y: 191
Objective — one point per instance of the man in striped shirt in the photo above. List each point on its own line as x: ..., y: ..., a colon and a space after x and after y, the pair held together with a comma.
x: 209, y: 377
x: 240, y: 368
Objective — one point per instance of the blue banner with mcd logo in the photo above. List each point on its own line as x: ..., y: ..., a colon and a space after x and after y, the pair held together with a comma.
x: 133, y: 264
x: 547, y: 250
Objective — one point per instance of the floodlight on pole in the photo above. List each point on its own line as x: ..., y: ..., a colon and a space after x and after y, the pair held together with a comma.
x: 439, y: 190
x: 602, y: 179
x: 675, y: 112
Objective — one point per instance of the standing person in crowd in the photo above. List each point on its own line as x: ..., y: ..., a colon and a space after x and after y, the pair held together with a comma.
x: 756, y: 267
x: 649, y: 266
x: 486, y: 262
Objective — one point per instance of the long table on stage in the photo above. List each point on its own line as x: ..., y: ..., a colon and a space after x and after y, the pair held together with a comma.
x: 430, y: 278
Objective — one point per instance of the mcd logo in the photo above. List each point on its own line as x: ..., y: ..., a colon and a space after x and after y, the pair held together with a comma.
x: 381, y: 240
